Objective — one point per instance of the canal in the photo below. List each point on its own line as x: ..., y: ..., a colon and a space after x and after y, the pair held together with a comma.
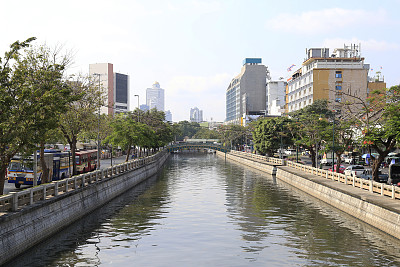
x: 202, y: 211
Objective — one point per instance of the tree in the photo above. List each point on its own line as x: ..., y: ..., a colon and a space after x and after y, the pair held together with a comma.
x: 232, y: 134
x: 313, y: 125
x: 270, y: 133
x: 156, y: 121
x: 187, y: 129
x: 378, y: 120
x: 80, y: 117
x: 128, y: 133
x: 15, y: 129
x: 205, y: 133
x: 46, y: 93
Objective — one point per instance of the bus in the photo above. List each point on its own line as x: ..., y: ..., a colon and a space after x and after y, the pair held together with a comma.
x: 86, y: 160
x: 20, y: 171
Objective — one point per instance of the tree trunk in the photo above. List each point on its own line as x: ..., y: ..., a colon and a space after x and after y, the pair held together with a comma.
x: 338, y: 162
x: 45, y: 169
x: 3, y: 172
x: 72, y: 147
x: 127, y: 154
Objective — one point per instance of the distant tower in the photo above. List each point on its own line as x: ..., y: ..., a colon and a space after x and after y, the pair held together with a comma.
x: 168, y: 116
x: 155, y: 97
x: 196, y: 115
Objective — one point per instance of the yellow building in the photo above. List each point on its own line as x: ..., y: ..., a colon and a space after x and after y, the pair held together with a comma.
x: 339, y: 77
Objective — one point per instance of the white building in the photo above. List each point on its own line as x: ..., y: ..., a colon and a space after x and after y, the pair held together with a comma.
x: 275, y: 97
x: 114, y: 86
x: 168, y: 116
x: 196, y: 115
x: 155, y: 97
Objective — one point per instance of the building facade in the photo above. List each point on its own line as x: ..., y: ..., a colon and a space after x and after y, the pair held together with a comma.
x: 114, y: 86
x: 168, y: 116
x: 155, y: 97
x: 104, y: 76
x: 275, y: 97
x: 337, y: 77
x: 196, y: 115
x: 246, y: 94
x: 121, y: 92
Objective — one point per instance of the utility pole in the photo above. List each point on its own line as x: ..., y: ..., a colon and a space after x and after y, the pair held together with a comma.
x: 98, y: 129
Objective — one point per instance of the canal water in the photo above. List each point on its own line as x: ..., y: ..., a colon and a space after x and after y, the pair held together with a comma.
x: 202, y: 211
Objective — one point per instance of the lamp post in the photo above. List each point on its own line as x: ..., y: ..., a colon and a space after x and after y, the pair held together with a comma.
x: 138, y: 107
x: 98, y: 129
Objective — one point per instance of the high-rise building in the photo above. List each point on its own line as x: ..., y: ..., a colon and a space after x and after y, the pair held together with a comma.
x: 246, y: 94
x: 114, y: 86
x: 121, y: 92
x: 155, y: 97
x: 144, y: 107
x: 333, y: 77
x: 196, y: 115
x: 168, y: 116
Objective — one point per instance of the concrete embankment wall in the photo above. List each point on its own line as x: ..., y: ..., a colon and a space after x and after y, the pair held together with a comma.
x: 262, y: 166
x: 380, y: 212
x: 23, y: 229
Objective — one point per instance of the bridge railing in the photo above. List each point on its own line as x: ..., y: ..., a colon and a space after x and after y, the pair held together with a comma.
x: 180, y: 146
x: 370, y: 185
x: 258, y: 157
x: 29, y: 196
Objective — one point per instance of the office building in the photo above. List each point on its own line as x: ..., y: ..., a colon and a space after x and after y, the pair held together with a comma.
x: 144, y: 107
x: 114, y: 87
x: 246, y: 93
x: 196, y: 115
x: 121, y: 92
x: 155, y: 97
x: 168, y: 116
x: 333, y: 77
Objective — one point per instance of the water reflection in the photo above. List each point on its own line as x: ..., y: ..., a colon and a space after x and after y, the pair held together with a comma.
x: 203, y: 211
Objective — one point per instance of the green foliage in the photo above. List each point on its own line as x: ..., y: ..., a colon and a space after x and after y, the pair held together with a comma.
x: 205, y: 133
x: 126, y: 132
x: 232, y: 135
x: 270, y: 133
x: 186, y: 129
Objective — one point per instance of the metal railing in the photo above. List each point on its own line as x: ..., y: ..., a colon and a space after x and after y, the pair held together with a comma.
x: 370, y: 185
x: 17, y: 200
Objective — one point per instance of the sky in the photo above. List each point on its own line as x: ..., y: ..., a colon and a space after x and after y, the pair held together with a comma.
x: 193, y: 48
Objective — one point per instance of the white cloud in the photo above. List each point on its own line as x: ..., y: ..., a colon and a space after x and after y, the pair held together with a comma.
x: 325, y: 20
x: 366, y: 45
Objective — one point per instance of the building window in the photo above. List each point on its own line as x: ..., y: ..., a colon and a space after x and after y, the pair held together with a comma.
x: 338, y: 87
x: 338, y: 74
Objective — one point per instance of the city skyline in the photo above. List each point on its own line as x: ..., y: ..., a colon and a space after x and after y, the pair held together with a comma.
x: 188, y: 46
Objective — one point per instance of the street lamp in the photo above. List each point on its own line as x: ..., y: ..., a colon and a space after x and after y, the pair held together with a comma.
x: 138, y: 106
x: 98, y: 129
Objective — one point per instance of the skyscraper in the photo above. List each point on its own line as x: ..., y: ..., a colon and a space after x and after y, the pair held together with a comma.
x: 246, y: 94
x: 196, y: 115
x: 114, y: 86
x: 168, y: 116
x: 155, y: 97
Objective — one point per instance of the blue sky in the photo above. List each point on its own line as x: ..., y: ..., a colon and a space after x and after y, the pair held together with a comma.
x: 194, y: 48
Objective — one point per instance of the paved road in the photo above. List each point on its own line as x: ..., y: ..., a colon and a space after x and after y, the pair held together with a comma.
x: 105, y: 163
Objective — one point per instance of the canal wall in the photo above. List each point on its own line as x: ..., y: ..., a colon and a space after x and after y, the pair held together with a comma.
x: 258, y: 162
x: 70, y: 200
x: 354, y: 196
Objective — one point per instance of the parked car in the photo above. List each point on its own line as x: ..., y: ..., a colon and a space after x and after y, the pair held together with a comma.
x: 341, y: 168
x: 382, y: 177
x: 394, y: 174
x: 354, y: 170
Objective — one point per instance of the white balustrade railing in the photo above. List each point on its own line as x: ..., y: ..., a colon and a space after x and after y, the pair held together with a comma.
x: 29, y: 196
